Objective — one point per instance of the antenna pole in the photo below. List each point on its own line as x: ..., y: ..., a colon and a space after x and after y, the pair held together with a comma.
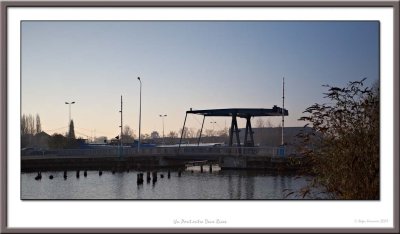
x: 283, y: 106
x: 121, y: 123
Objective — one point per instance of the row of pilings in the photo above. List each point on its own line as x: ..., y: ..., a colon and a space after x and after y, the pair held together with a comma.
x: 210, y: 168
x: 65, y: 174
x: 140, y: 179
x: 151, y: 176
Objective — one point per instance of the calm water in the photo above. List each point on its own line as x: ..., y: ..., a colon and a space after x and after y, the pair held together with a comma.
x: 220, y: 184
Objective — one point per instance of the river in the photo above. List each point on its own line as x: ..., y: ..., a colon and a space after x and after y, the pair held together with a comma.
x: 192, y: 184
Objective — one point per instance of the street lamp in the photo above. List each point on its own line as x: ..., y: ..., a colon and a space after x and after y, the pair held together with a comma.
x: 69, y: 103
x: 162, y: 116
x: 140, y: 112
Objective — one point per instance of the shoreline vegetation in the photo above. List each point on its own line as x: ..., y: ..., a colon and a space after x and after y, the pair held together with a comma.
x: 345, y: 142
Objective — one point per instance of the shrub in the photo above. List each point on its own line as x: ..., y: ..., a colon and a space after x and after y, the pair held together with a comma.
x: 345, y: 153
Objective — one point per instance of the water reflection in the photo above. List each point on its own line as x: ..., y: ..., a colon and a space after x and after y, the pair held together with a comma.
x: 218, y: 184
x: 231, y: 190
x: 250, y: 188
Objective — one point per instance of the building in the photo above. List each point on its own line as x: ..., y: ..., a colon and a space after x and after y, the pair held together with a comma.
x: 272, y: 136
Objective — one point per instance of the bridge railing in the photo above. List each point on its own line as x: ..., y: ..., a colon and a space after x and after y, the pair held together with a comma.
x: 192, y: 150
x: 250, y: 151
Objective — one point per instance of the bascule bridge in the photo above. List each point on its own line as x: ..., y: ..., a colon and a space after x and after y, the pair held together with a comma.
x: 235, y: 113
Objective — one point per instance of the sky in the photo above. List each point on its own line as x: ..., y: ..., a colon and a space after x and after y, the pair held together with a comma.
x: 183, y: 65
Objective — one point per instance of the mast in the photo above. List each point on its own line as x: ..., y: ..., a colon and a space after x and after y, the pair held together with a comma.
x: 283, y: 106
x: 121, y: 122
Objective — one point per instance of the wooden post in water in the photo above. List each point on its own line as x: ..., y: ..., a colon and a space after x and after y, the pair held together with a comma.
x: 77, y: 174
x: 169, y: 174
x: 139, y: 178
x: 85, y: 173
x: 210, y: 168
x: 179, y: 173
x: 201, y: 168
x: 154, y: 176
x: 148, y: 177
x: 39, y: 176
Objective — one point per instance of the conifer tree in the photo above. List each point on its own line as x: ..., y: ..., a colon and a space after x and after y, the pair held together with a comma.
x: 71, y: 133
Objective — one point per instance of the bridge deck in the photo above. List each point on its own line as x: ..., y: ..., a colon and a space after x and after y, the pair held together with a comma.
x: 229, y: 157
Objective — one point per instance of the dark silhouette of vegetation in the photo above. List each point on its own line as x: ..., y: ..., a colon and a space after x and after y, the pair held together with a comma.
x: 127, y: 135
x: 154, y: 135
x: 57, y: 141
x: 38, y: 124
x: 343, y: 148
x: 33, y: 136
x: 30, y: 129
x: 71, y: 132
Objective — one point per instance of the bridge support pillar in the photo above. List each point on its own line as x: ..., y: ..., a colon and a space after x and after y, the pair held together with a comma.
x: 249, y: 131
x: 234, y: 129
x: 201, y: 130
x: 183, y: 130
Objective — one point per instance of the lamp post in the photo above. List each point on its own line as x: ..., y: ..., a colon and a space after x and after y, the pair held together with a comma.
x: 69, y: 103
x: 162, y: 116
x: 140, y: 111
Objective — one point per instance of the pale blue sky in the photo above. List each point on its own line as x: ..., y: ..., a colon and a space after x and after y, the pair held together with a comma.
x: 198, y: 64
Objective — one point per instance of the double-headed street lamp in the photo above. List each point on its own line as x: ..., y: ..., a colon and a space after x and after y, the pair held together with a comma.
x: 140, y: 111
x: 162, y: 116
x: 69, y: 103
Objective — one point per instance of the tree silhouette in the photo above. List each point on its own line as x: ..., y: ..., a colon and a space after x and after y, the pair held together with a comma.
x: 29, y: 128
x: 127, y: 135
x: 38, y: 124
x: 71, y: 133
x: 344, y: 152
x: 57, y: 141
